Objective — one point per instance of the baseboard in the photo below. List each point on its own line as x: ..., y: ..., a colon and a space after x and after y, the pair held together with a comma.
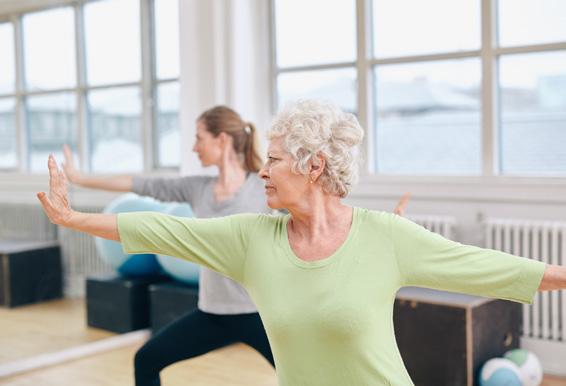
x: 551, y: 354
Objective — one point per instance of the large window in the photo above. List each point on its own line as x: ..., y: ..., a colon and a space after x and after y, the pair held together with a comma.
x: 532, y: 86
x: 167, y: 136
x: 49, y: 50
x: 113, y: 43
x: 443, y: 93
x: 428, y: 117
x: 83, y: 79
x: 115, y: 129
x: 7, y: 59
x: 51, y: 122
x: 8, y: 140
x: 533, y: 113
x: 427, y: 109
x: 316, y: 52
x: 113, y: 60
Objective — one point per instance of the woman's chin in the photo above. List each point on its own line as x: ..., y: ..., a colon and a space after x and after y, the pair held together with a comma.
x: 274, y: 204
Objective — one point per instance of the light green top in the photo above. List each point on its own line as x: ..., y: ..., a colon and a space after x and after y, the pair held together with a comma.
x: 330, y: 322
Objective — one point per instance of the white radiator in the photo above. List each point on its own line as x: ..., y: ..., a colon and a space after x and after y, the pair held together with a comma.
x: 443, y: 225
x: 25, y: 222
x: 544, y: 323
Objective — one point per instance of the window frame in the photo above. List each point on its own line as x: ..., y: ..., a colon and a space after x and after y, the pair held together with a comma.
x: 148, y: 85
x: 488, y: 54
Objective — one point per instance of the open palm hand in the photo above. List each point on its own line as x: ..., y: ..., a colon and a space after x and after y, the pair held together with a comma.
x: 56, y: 203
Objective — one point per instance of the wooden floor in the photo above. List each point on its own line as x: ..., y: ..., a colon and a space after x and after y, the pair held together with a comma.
x: 43, y: 328
x: 58, y: 325
x: 236, y: 365
x: 553, y: 381
x: 232, y: 366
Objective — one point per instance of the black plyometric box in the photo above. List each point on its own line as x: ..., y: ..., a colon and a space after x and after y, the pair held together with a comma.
x: 169, y: 301
x: 30, y: 272
x: 445, y: 338
x: 119, y: 304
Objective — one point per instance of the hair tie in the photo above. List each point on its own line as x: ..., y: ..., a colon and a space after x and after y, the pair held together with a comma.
x: 247, y: 129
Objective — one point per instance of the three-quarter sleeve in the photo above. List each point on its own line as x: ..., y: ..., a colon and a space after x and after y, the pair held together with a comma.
x: 217, y: 243
x: 426, y: 259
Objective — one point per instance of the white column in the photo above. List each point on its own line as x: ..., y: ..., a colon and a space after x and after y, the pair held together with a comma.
x: 224, y: 60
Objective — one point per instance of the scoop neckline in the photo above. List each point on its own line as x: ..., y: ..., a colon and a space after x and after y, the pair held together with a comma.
x: 324, y: 261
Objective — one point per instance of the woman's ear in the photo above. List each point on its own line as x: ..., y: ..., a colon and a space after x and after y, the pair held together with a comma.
x: 225, y: 139
x: 318, y: 163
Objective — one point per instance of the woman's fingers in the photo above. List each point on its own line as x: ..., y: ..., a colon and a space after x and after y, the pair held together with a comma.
x: 53, y: 176
x: 45, y: 202
x: 402, y: 205
x: 42, y: 197
x: 55, y: 180
x: 56, y: 175
x: 69, y: 162
x: 67, y: 153
x: 68, y: 166
x: 62, y: 181
x: 55, y: 204
x: 52, y: 167
x: 47, y: 206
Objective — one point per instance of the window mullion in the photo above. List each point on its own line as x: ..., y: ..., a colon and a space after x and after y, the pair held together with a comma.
x: 148, y: 84
x: 273, y: 61
x: 82, y: 108
x: 21, y: 121
x: 490, y: 137
x: 364, y: 80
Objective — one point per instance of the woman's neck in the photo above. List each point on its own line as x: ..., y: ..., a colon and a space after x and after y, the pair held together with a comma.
x: 320, y: 217
x: 231, y: 173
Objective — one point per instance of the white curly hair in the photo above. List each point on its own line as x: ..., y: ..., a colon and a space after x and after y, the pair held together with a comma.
x: 310, y: 128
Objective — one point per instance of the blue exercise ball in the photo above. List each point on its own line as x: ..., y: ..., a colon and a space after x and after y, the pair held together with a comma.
x: 500, y: 372
x: 179, y: 269
x: 137, y: 265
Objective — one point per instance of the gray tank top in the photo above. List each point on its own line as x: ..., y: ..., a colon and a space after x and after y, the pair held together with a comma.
x: 217, y: 294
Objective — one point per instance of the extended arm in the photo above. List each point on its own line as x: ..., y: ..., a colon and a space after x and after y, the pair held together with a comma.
x: 116, y: 183
x: 220, y: 244
x: 56, y: 206
x: 426, y: 259
x: 554, y: 278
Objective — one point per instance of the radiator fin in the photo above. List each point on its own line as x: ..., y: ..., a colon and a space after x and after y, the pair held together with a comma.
x: 543, y: 241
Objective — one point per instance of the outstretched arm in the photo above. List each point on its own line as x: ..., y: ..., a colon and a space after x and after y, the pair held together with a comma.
x: 220, y: 244
x: 57, y: 208
x: 115, y: 184
x: 554, y: 278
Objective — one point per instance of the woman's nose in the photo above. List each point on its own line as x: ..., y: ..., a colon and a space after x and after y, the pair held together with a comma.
x: 263, y: 172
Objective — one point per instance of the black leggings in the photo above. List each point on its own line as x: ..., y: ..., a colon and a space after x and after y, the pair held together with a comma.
x: 194, y: 334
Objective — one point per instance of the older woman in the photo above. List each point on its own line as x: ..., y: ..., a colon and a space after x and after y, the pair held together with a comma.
x: 324, y: 277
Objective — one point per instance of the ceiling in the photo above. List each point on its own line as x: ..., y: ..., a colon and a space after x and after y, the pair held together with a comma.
x: 11, y: 6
